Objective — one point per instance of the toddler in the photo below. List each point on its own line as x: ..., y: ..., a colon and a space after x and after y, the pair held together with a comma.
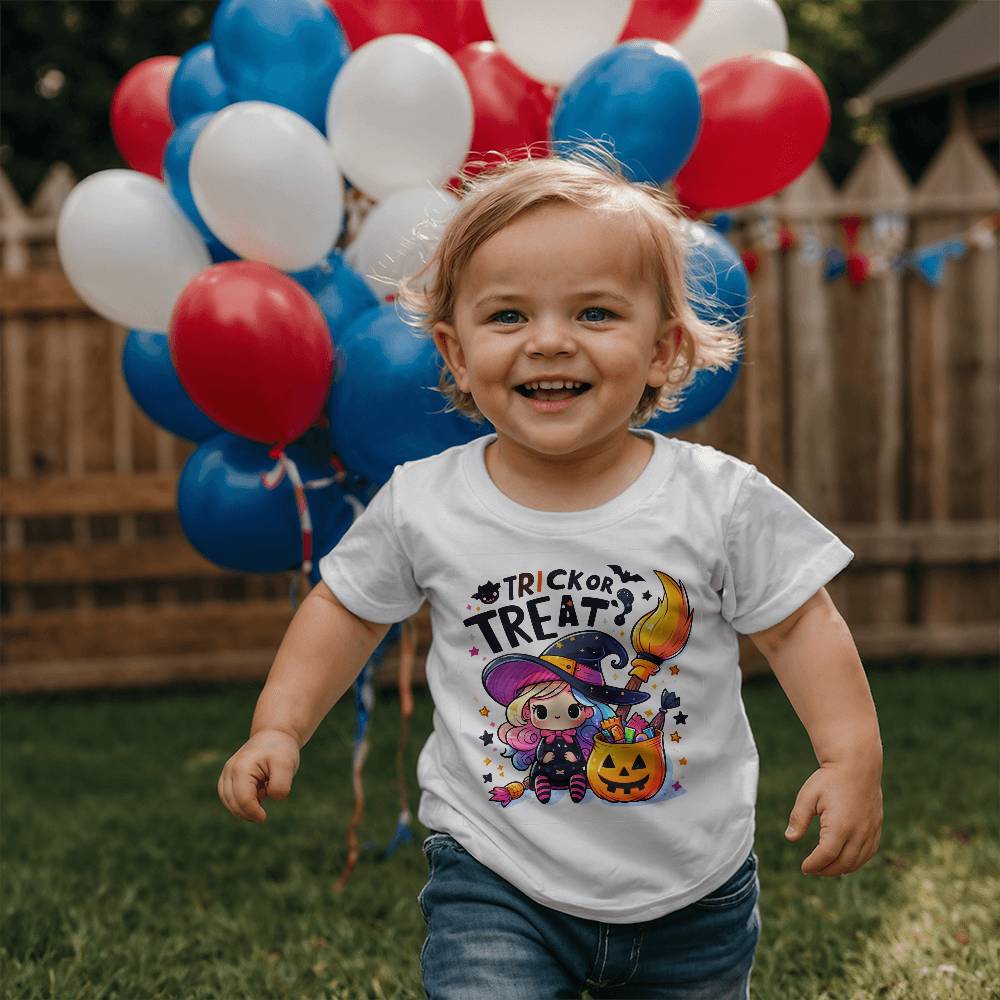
x: 590, y: 781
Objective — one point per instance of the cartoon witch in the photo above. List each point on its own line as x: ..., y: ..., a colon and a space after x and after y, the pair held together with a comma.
x: 555, y: 704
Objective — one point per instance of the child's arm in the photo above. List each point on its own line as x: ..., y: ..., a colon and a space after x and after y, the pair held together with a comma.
x: 322, y: 653
x: 816, y: 662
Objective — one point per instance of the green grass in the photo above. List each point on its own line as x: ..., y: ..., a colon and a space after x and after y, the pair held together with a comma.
x: 124, y: 877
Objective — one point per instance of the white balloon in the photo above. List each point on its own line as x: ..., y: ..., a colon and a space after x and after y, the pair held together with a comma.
x: 552, y: 40
x: 265, y: 182
x: 399, y: 115
x: 398, y: 237
x: 724, y: 29
x: 127, y: 248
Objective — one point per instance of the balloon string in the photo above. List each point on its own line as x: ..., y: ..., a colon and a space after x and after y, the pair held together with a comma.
x: 364, y: 696
x: 407, y: 656
x: 286, y: 467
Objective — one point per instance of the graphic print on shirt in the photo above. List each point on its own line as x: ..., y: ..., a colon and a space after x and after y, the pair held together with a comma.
x: 575, y: 734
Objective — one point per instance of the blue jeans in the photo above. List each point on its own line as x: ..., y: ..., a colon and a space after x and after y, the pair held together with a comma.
x: 487, y: 939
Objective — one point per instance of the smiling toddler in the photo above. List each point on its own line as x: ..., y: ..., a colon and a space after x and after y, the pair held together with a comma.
x: 591, y: 778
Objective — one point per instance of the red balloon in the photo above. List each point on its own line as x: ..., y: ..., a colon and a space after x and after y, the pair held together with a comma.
x: 140, y: 114
x: 253, y: 350
x: 765, y: 118
x: 511, y: 109
x: 662, y: 19
x: 448, y: 23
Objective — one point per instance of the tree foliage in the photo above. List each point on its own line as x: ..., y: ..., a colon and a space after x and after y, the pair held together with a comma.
x: 61, y: 60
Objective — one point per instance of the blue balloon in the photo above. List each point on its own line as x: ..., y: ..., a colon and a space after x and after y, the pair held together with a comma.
x: 152, y: 380
x: 717, y: 281
x: 235, y: 521
x: 176, y: 164
x: 287, y: 53
x: 719, y: 292
x: 341, y: 293
x: 197, y: 88
x: 642, y: 96
x: 706, y: 391
x: 384, y: 407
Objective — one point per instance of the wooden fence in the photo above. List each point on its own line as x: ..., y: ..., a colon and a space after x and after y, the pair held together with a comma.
x: 874, y: 405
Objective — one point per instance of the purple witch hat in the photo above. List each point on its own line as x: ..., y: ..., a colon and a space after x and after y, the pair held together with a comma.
x: 575, y: 658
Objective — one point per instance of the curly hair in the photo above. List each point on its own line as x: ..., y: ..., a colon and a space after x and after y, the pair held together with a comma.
x: 591, y: 177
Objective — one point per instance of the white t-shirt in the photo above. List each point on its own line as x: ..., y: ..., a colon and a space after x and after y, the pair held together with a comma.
x: 699, y: 547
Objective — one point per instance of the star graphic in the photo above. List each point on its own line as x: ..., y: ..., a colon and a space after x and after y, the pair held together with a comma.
x: 484, y: 711
x: 474, y: 651
x: 487, y: 761
x: 675, y: 736
x: 648, y: 712
x: 682, y: 761
x: 487, y: 738
x: 468, y: 607
x: 487, y: 778
x: 677, y: 786
x: 674, y: 669
x: 646, y: 595
x: 680, y: 718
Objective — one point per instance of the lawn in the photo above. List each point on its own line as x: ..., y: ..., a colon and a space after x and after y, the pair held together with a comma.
x: 124, y: 877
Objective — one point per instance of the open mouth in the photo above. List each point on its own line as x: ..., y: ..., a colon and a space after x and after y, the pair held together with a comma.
x: 552, y: 394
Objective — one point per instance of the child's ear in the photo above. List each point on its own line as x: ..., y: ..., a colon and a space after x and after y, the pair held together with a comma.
x: 450, y: 348
x: 668, y: 343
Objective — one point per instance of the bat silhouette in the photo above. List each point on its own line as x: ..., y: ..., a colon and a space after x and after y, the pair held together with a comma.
x: 623, y: 574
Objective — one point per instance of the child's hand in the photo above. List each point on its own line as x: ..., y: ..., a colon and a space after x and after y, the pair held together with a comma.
x: 847, y: 796
x: 262, y: 768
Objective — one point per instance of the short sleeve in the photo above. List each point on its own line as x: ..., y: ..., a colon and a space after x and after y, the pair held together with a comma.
x: 777, y: 556
x: 368, y: 570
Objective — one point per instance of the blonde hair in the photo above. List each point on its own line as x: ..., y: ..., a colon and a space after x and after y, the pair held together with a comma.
x: 590, y: 177
x: 542, y: 690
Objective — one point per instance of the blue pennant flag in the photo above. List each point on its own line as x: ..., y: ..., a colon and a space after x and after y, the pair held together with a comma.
x: 836, y: 264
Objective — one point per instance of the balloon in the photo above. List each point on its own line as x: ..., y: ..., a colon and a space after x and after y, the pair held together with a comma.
x: 339, y: 291
x: 723, y: 29
x: 719, y: 291
x: 176, y: 163
x: 765, y: 119
x: 197, y: 88
x: 707, y: 391
x: 716, y: 279
x: 448, y: 23
x: 384, y: 408
x: 127, y: 248
x: 552, y: 41
x: 251, y: 347
x: 287, y: 53
x: 398, y: 237
x: 153, y: 382
x: 233, y: 519
x: 511, y: 110
x: 642, y: 96
x: 400, y: 115
x: 663, y: 20
x: 264, y: 180
x: 140, y: 118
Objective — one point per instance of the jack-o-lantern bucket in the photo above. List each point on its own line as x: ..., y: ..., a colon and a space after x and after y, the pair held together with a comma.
x: 626, y: 772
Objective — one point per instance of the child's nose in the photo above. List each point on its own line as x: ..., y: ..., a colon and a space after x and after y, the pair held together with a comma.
x: 548, y: 334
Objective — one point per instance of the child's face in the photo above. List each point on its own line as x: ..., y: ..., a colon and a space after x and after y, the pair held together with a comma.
x: 562, y: 711
x: 572, y: 303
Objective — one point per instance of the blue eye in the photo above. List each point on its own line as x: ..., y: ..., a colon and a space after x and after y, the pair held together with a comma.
x: 599, y: 309
x: 504, y: 312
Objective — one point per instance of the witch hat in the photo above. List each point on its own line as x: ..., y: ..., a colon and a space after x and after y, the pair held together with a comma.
x: 575, y: 658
